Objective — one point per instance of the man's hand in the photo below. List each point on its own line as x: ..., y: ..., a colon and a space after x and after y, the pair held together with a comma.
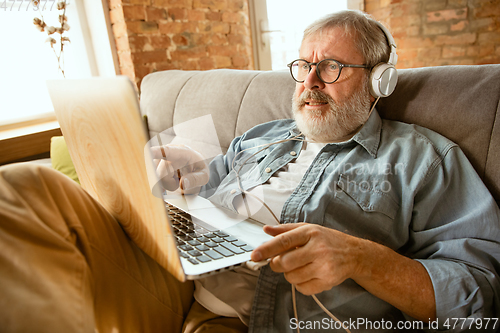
x: 312, y: 257
x: 316, y: 258
x: 180, y: 166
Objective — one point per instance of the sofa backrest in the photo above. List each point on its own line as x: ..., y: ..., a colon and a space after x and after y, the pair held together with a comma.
x: 460, y: 102
x: 236, y: 99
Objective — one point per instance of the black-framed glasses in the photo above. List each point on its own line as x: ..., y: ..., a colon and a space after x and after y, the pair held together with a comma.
x: 328, y: 70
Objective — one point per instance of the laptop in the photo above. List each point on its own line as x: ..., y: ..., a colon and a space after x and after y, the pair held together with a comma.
x: 106, y: 138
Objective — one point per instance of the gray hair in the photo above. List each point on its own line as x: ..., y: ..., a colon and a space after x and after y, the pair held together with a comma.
x: 369, y: 38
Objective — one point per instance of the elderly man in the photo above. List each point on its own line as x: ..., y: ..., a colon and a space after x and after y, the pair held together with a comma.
x: 383, y: 223
x: 392, y: 230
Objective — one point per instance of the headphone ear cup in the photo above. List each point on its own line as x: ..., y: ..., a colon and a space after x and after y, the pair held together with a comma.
x: 383, y: 79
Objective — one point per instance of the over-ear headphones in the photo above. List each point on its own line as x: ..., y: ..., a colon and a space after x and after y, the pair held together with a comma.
x: 384, y: 76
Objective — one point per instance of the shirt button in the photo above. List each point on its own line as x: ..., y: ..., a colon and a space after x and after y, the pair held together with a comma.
x: 268, y: 170
x: 293, y: 153
x: 233, y: 191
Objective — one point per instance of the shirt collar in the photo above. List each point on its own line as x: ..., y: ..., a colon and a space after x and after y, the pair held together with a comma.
x: 369, y: 135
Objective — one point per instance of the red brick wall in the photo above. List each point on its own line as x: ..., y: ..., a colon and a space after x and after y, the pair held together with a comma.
x: 153, y: 35
x: 441, y: 32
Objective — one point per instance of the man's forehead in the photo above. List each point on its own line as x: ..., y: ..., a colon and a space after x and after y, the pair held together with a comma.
x: 332, y: 43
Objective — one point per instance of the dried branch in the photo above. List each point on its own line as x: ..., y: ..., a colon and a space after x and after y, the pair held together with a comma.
x: 40, y: 24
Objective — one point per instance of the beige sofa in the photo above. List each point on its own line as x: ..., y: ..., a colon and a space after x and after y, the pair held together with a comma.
x: 460, y: 102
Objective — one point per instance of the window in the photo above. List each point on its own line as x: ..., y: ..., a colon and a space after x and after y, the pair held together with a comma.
x: 27, y: 60
x: 277, y: 27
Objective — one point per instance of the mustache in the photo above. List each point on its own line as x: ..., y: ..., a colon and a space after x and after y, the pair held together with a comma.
x: 315, y: 95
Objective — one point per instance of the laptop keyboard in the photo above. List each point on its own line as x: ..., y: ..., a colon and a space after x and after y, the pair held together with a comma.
x: 199, y: 245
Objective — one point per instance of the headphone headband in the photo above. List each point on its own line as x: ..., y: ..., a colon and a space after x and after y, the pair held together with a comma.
x: 393, y: 57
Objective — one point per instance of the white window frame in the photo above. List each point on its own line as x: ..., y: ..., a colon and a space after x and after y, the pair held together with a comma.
x: 98, y: 36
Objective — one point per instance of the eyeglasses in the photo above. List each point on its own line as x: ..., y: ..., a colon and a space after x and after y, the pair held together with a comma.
x: 328, y: 70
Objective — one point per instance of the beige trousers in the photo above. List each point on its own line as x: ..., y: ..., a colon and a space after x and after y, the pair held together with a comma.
x: 67, y: 266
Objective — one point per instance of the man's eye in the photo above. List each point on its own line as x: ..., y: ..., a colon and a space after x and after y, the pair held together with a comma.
x: 333, y: 67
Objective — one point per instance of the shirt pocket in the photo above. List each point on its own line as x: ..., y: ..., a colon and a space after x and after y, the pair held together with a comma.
x: 363, y: 206
x: 371, y: 194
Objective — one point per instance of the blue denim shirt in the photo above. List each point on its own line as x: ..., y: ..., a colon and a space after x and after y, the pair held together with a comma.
x: 400, y: 185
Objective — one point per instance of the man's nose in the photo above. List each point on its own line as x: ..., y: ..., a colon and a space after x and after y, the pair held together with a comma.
x: 312, y: 80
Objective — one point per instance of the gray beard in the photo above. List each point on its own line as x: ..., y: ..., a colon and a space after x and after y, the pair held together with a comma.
x: 338, y: 122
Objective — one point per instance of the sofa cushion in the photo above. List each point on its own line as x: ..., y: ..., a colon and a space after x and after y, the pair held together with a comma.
x: 236, y: 99
x: 61, y: 161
